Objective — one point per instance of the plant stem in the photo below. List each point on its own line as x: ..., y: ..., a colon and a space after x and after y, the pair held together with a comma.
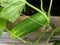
x: 42, y: 6
x: 49, y: 10
x: 50, y: 6
x: 24, y: 41
x: 51, y: 35
x: 38, y: 10
x: 40, y: 36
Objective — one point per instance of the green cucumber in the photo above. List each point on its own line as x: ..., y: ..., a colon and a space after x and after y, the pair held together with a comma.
x: 29, y: 25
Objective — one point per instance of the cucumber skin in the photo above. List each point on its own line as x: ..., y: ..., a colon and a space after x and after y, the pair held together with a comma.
x: 27, y: 26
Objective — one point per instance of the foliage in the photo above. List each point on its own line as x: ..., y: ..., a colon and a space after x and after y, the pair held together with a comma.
x: 11, y: 9
x: 2, y: 22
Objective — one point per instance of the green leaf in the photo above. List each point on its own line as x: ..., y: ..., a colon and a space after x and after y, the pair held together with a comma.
x: 1, y: 9
x: 56, y: 43
x: 2, y: 22
x: 5, y: 3
x: 2, y: 25
x: 12, y: 11
x: 29, y: 25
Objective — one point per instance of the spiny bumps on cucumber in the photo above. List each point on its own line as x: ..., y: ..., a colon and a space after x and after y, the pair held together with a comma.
x: 28, y: 25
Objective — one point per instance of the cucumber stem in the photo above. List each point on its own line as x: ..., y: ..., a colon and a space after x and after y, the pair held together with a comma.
x: 54, y: 30
x: 22, y: 40
x: 40, y: 37
x: 42, y: 6
x: 50, y: 6
x: 38, y: 10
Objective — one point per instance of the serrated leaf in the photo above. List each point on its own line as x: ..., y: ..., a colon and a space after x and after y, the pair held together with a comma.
x: 12, y: 11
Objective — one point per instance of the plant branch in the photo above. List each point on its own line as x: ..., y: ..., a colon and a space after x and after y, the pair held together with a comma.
x: 58, y: 28
x: 38, y: 10
x: 50, y: 6
x: 42, y: 5
x: 49, y: 10
x: 40, y: 36
x: 24, y: 41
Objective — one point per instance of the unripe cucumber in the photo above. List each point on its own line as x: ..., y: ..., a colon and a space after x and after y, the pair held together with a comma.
x: 29, y: 25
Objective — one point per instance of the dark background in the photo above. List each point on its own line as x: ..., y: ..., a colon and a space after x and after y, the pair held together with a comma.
x: 55, y: 7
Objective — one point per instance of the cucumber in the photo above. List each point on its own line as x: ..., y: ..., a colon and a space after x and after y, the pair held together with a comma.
x: 28, y: 25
